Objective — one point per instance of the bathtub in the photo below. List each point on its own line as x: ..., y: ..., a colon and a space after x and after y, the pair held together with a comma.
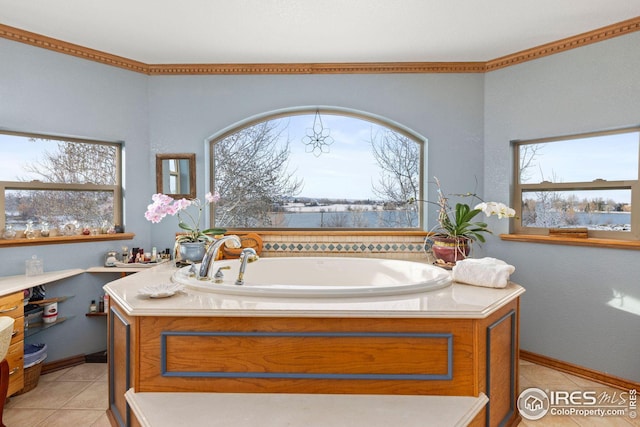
x: 322, y: 277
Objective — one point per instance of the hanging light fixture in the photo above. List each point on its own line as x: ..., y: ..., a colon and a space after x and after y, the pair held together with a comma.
x: 317, y: 139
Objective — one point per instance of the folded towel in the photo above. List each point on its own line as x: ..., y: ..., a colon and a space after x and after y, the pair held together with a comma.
x: 487, y: 272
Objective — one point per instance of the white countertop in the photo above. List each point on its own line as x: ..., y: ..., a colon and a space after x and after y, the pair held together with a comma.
x: 455, y: 301
x: 10, y: 284
x: 301, y: 410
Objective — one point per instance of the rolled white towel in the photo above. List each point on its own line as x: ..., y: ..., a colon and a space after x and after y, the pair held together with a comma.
x: 487, y: 272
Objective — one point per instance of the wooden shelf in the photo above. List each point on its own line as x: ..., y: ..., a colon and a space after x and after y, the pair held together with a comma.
x: 65, y: 239
x: 98, y: 314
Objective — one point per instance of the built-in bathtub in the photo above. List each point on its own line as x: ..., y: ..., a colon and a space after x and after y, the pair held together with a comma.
x: 457, y: 341
x: 322, y: 277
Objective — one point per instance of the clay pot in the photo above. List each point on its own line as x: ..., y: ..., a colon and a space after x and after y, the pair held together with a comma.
x: 449, y: 249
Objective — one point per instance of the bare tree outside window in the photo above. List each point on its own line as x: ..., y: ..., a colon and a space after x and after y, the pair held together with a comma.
x: 252, y: 176
x: 586, y: 181
x: 398, y: 158
x: 58, y: 181
x: 268, y: 177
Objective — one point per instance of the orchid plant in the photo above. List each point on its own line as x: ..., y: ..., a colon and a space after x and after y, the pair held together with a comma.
x: 164, y: 205
x: 459, y: 223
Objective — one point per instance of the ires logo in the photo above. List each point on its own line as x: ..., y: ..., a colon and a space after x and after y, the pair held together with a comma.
x: 534, y: 403
x: 573, y: 398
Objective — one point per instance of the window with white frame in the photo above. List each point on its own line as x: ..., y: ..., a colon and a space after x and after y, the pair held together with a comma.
x: 579, y: 181
x: 64, y: 184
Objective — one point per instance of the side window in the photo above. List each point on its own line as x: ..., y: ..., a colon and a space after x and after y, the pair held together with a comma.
x: 63, y: 184
x: 581, y: 181
x: 318, y: 169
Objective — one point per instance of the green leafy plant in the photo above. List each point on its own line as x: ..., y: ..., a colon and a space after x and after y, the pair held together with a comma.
x: 459, y: 223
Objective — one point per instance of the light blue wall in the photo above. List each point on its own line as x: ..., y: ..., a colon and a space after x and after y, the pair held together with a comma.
x: 444, y: 108
x: 468, y: 119
x: 43, y: 91
x: 564, y: 311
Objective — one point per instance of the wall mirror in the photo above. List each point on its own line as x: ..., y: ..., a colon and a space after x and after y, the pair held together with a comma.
x: 176, y: 175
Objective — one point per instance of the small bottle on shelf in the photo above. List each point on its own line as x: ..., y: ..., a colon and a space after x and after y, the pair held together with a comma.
x: 93, y: 308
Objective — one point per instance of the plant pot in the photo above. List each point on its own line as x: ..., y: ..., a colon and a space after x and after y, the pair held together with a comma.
x: 449, y: 249
x: 192, y: 251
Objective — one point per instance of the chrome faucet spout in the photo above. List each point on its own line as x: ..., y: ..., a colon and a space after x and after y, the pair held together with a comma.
x: 209, y: 258
x: 248, y: 255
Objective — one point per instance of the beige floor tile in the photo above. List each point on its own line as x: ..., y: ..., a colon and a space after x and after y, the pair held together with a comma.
x: 85, y: 372
x: 25, y: 417
x: 93, y: 397
x: 603, y: 422
x: 544, y: 377
x: 548, y: 421
x: 71, y: 417
x: 103, y: 421
x: 48, y: 395
x: 53, y: 376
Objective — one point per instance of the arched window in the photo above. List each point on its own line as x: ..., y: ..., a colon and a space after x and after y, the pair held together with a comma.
x: 317, y: 168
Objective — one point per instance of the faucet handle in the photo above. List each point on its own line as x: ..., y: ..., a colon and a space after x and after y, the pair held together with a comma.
x: 219, y: 276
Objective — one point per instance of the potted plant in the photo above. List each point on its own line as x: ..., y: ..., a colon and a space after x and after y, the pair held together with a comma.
x: 193, y: 240
x: 457, y: 227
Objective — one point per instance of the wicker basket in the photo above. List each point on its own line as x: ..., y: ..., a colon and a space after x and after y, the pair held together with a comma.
x: 31, y: 377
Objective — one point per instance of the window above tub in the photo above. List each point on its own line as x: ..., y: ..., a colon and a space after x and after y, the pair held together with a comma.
x: 586, y: 181
x: 317, y: 169
x: 53, y: 187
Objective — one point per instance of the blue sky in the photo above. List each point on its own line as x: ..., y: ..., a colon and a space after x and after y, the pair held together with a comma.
x: 610, y: 157
x: 16, y: 152
x: 347, y: 170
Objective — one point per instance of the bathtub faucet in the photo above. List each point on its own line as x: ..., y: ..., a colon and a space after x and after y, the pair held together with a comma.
x: 209, y: 258
x: 248, y: 255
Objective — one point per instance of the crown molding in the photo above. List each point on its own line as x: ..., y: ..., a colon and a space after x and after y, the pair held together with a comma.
x: 60, y: 46
x: 320, y: 68
x: 601, y: 34
x: 598, y: 35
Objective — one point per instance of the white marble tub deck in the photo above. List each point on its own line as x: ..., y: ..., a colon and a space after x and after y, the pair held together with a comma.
x: 455, y: 301
x: 301, y: 410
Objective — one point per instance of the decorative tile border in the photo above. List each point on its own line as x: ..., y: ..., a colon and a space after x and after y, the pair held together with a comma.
x: 404, y: 247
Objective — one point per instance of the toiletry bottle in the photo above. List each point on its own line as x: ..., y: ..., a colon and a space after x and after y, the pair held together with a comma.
x: 106, y: 303
x: 92, y: 307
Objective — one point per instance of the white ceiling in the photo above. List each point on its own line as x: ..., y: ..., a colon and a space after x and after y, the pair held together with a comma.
x: 308, y: 31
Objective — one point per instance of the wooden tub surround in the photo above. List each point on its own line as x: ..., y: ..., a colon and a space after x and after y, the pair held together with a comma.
x: 458, y: 341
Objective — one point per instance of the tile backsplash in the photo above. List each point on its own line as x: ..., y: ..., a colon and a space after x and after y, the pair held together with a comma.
x: 409, y: 247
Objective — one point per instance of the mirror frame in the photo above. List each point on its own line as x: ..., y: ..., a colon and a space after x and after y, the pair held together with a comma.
x: 191, y: 157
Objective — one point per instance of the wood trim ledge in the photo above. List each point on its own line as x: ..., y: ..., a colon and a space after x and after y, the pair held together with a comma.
x: 572, y: 241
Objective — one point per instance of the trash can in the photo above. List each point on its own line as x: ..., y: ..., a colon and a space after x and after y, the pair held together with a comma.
x: 34, y: 355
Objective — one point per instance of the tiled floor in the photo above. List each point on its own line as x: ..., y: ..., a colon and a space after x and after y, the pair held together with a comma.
x: 77, y: 397
x: 72, y: 397
x: 546, y: 379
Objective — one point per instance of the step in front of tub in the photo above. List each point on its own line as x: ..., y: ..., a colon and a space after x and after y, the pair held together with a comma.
x: 158, y: 409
